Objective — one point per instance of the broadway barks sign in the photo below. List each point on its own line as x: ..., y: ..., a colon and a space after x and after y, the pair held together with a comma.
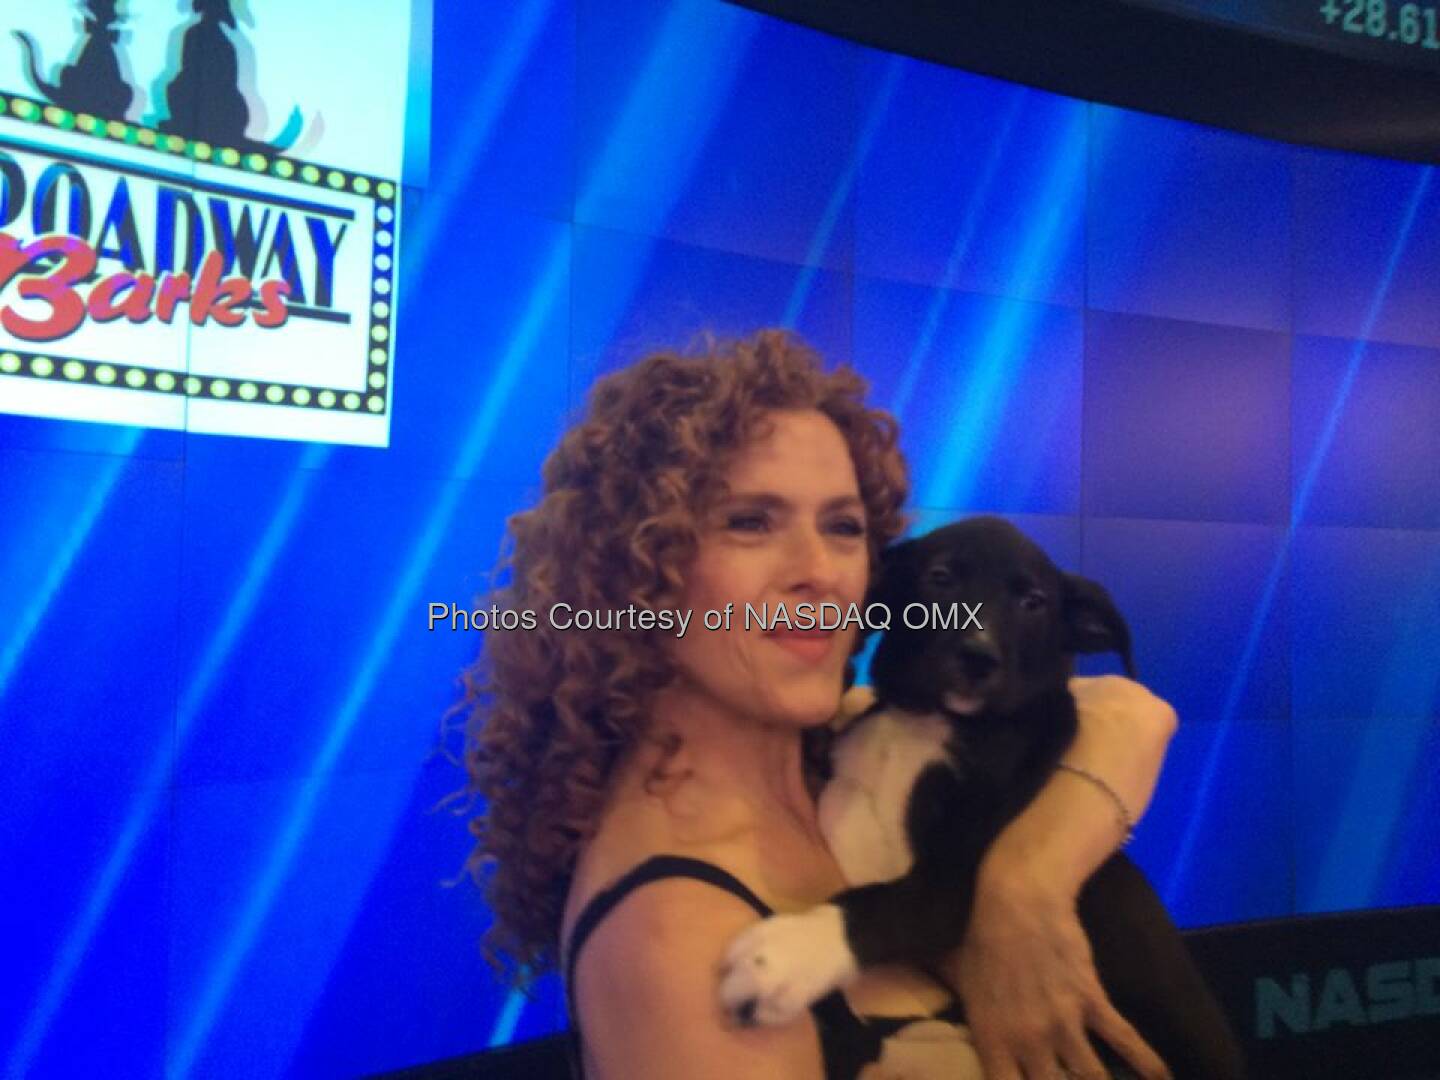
x: 162, y: 264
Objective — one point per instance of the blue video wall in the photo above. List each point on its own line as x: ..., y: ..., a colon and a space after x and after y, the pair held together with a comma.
x: 1199, y: 367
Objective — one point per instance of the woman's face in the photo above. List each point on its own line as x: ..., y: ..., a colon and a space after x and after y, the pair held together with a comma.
x: 792, y: 529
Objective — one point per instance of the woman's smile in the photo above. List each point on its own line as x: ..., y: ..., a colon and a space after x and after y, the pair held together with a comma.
x: 810, y: 646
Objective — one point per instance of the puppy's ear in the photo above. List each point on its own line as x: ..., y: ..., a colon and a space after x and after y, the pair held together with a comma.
x: 894, y: 579
x: 1093, y: 624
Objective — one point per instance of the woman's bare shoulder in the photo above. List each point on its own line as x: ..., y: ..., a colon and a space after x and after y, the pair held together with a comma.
x: 636, y: 827
x: 645, y: 991
x: 646, y: 977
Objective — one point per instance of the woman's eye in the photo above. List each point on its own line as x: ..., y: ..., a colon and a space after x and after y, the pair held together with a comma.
x: 940, y: 576
x: 848, y: 527
x: 747, y: 522
x: 1034, y: 600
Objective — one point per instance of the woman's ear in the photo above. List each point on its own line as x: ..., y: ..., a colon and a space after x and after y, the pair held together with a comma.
x: 1093, y: 624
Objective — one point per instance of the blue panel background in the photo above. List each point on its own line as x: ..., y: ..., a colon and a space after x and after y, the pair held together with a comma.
x: 503, y: 106
x: 1205, y: 639
x: 965, y: 372
x: 97, y: 1005
x: 1184, y: 420
x: 1188, y: 222
x: 1367, y: 248
x: 1368, y: 791
x: 1365, y: 436
x: 100, y: 551
x: 641, y: 294
x: 1225, y: 802
x: 1199, y: 367
x: 972, y: 184
x: 1366, y: 619
x: 707, y: 124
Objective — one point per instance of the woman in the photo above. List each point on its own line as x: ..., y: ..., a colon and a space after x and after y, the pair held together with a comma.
x: 650, y: 794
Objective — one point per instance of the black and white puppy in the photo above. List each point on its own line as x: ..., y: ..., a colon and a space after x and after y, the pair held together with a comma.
x: 969, y: 724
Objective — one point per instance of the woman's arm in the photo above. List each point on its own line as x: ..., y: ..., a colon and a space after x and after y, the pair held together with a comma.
x: 645, y: 994
x: 1071, y: 826
x: 1026, y: 972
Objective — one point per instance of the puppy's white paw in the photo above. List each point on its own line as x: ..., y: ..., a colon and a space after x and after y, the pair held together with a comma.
x: 779, y: 967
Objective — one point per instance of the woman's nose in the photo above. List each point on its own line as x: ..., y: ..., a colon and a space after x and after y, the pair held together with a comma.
x: 813, y: 563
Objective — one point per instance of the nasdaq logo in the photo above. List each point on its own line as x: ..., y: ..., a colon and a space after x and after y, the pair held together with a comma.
x: 1300, y: 1004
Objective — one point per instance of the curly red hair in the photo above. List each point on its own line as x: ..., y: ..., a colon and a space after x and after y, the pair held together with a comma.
x: 550, y: 713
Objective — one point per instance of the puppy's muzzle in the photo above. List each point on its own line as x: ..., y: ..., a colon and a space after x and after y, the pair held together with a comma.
x: 973, y: 672
x: 980, y: 660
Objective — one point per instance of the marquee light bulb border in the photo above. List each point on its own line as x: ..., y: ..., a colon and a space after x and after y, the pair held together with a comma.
x: 382, y: 195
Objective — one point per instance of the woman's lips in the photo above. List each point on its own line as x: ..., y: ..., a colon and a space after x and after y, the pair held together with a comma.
x: 812, y: 646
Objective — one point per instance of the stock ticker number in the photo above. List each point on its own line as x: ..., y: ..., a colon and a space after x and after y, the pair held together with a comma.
x: 1401, y: 24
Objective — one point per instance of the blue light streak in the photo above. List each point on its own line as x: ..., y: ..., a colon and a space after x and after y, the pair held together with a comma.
x: 954, y: 263
x: 23, y: 629
x: 1181, y: 865
x: 840, y: 193
x: 995, y: 370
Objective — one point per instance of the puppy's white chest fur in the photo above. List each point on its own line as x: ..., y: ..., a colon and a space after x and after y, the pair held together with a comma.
x: 863, y: 807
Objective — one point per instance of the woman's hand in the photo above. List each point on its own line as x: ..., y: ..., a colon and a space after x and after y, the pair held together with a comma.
x: 1031, y: 992
x: 1025, y: 971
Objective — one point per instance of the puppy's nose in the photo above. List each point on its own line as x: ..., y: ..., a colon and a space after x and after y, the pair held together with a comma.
x: 980, y: 657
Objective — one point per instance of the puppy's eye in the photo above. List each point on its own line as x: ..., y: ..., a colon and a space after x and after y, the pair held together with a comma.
x: 940, y: 576
x: 1034, y: 600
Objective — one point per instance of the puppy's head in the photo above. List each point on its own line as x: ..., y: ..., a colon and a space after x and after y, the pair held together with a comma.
x: 1029, y: 619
